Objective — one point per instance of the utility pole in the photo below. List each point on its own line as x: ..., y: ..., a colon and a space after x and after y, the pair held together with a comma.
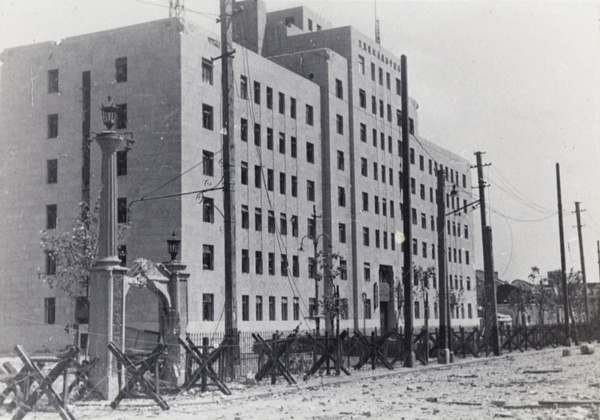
x: 563, y: 263
x: 316, y: 265
x: 491, y: 313
x: 407, y: 271
x: 444, y: 354
x: 582, y: 259
x: 227, y: 91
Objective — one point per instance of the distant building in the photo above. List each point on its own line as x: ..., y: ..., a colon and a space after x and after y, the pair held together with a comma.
x: 317, y: 114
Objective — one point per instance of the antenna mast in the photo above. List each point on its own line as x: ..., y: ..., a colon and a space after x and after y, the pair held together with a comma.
x: 377, y: 37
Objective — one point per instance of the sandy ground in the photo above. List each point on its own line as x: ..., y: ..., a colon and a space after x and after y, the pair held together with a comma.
x: 499, y: 387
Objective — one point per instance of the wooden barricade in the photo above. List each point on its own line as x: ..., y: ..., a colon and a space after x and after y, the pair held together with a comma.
x: 274, y: 354
x: 204, y: 359
x: 328, y: 354
x: 373, y: 352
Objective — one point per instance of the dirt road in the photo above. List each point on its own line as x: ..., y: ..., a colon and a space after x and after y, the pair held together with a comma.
x: 509, y: 386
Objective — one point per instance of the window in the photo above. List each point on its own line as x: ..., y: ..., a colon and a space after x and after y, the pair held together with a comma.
x: 207, y: 117
x: 50, y: 310
x: 342, y: 233
x: 377, y: 238
x: 50, y: 263
x: 385, y: 239
x: 283, y: 224
x: 208, y: 163
x: 392, y: 209
x: 433, y: 253
x: 424, y: 249
x: 296, y: 308
x: 207, y: 71
x: 281, y: 103
x: 361, y: 64
x: 373, y: 105
x: 412, y: 156
x: 122, y: 255
x: 417, y: 310
x: 415, y: 246
x: 341, y: 197
x: 208, y: 259
x: 245, y: 308
x: 243, y: 87
x: 270, y: 180
x: 312, y: 268
x: 339, y: 89
x: 467, y: 258
x: 373, y: 71
x: 343, y: 270
x: 52, y: 126
x: 245, y: 261
x: 52, y: 170
x: 122, y: 210
x: 258, y: 262
x: 284, y: 265
x: 245, y: 216
x: 309, y: 115
x: 121, y: 69
x: 310, y: 25
x: 259, y: 308
x: 121, y: 162
x: 391, y: 176
x: 411, y: 126
x: 340, y: 160
x: 310, y: 152
x: 466, y: 232
x: 293, y: 108
x: 271, y: 308
x: 256, y: 134
x: 121, y: 117
x: 269, y: 138
x: 208, y: 213
x: 294, y: 186
x: 311, y: 228
x: 339, y: 124
x: 294, y: 223
x: 208, y: 307
x: 271, y: 263
x: 295, y: 266
x: 281, y: 142
x: 82, y: 310
x: 381, y: 108
x: 257, y: 176
x: 51, y: 211
x: 258, y: 219
x: 468, y: 283
x: 310, y: 190
x: 469, y: 311
x: 383, y: 173
x: 380, y: 76
x: 414, y: 216
x: 367, y: 308
x: 376, y: 204
x: 367, y: 271
x: 363, y: 132
x: 244, y: 129
x: 413, y: 186
x: 389, y: 112
x: 365, y: 201
x: 388, y: 80
x: 312, y: 307
x: 375, y: 171
x: 362, y: 98
x: 294, y: 147
x: 365, y: 236
x: 269, y: 97
x: 364, y: 167
x: 384, y: 206
x: 271, y: 221
x: 281, y: 182
x: 422, y: 191
x: 53, y: 81
x: 244, y: 173
x: 284, y: 308
x: 256, y: 92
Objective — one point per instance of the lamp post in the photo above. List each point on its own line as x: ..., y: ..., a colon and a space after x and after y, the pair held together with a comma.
x: 106, y: 284
x: 315, y: 242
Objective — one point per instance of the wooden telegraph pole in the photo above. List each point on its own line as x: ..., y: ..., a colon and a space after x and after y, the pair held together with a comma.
x: 227, y: 87
x: 491, y: 313
x: 443, y: 342
x: 563, y: 263
x: 582, y: 259
x: 407, y: 271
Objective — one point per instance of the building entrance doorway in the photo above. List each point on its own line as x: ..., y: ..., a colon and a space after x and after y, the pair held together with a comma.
x: 386, y: 298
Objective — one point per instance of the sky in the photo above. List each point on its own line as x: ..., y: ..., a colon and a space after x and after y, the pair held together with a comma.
x: 517, y: 80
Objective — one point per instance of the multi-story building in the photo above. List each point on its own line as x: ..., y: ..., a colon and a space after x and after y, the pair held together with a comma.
x: 317, y: 131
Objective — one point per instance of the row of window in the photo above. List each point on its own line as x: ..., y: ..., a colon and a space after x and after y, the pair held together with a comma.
x: 120, y: 75
x: 208, y: 308
x: 52, y: 121
x: 380, y: 56
x: 377, y: 75
x: 457, y: 312
x: 270, y: 181
x: 52, y: 213
x: 52, y: 167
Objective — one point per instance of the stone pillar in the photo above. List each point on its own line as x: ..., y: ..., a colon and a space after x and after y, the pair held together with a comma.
x: 177, y: 319
x: 106, y: 286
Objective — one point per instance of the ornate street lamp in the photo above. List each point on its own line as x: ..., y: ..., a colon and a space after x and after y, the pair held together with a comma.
x: 173, y: 244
